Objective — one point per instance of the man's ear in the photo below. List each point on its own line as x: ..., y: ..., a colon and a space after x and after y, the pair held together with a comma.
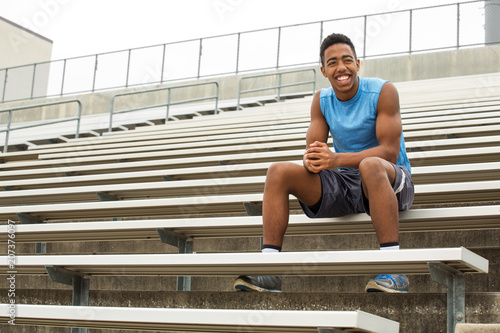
x: 323, y: 71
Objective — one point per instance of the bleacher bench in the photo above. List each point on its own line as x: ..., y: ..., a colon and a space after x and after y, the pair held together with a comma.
x: 111, y: 205
x: 200, y: 320
x: 447, y: 266
x: 452, y: 218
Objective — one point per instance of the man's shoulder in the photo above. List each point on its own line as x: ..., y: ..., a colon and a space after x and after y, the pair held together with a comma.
x: 372, y: 84
x: 326, y: 92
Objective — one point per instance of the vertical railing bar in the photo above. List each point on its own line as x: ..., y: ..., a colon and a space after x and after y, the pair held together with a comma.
x: 321, y: 34
x: 238, y: 52
x: 278, y: 50
x: 9, y: 120
x: 239, y: 95
x: 168, y: 105
x: 128, y: 68
x: 163, y: 62
x: 199, y: 57
x: 95, y: 72
x: 5, y: 84
x: 314, y: 82
x: 279, y: 86
x: 411, y: 31
x: 364, y: 36
x: 33, y: 81
x: 216, y: 98
x: 458, y: 25
x: 78, y: 122
x: 63, y: 75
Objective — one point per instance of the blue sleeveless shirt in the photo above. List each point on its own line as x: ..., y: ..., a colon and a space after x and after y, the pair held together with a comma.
x: 352, y: 122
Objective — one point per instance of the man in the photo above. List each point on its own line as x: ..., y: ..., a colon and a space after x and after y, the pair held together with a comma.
x: 368, y: 171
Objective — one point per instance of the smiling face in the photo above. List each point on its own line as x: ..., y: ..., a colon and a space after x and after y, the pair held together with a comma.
x: 341, y: 69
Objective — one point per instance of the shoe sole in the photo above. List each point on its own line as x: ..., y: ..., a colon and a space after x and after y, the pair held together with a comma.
x: 373, y: 287
x: 241, y: 285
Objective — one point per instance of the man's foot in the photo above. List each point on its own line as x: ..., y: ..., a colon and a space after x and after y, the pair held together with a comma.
x: 258, y: 283
x: 388, y: 284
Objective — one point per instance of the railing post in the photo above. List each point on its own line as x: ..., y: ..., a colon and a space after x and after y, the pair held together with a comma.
x: 314, y: 82
x: 216, y: 98
x: 33, y: 81
x: 321, y: 33
x: 5, y: 84
x: 238, y: 53
x: 9, y: 120
x: 279, y: 87
x: 128, y: 68
x: 458, y: 25
x: 163, y: 62
x: 411, y: 30
x: 63, y: 74
x: 95, y: 72
x: 79, y: 121
x: 168, y: 105
x: 110, y: 127
x: 278, y: 51
x: 364, y: 36
x: 199, y: 58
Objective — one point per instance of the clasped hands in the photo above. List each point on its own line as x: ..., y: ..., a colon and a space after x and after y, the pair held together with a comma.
x: 319, y: 157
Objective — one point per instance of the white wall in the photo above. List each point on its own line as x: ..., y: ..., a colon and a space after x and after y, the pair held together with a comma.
x: 20, y: 46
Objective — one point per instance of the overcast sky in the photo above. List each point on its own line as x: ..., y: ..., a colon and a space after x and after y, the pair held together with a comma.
x: 84, y: 27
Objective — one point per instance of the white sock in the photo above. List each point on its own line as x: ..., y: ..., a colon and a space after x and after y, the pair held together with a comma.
x: 269, y: 250
x: 394, y: 247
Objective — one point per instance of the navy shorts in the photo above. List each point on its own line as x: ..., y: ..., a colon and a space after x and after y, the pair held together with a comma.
x: 342, y: 193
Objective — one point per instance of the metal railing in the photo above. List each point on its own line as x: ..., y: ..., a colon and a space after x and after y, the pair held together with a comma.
x: 167, y: 104
x: 280, y: 84
x: 48, y: 122
x: 393, y: 32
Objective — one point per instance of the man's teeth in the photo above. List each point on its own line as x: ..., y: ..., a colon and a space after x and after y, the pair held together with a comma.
x: 343, y: 78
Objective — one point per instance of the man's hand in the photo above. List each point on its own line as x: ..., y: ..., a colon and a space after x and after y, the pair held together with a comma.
x: 319, y: 157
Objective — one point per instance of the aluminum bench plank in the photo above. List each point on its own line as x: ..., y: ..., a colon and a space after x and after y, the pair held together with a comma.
x: 199, y: 320
x: 314, y: 263
x: 96, y: 143
x: 296, y: 141
x: 420, y: 175
x: 442, y: 157
x: 252, y: 153
x: 429, y: 193
x: 425, y: 193
x: 205, y: 129
x: 429, y: 219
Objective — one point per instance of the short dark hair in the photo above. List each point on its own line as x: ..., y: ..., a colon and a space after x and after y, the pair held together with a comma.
x: 335, y: 39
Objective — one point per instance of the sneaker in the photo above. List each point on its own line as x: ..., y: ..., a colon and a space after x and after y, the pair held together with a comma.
x: 388, y: 284
x: 258, y: 283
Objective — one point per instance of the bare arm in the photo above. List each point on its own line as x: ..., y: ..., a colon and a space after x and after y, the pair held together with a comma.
x: 388, y: 131
x: 318, y: 128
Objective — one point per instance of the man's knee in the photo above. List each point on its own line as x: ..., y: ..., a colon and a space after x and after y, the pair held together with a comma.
x: 370, y: 165
x: 286, y: 175
x: 281, y: 170
x: 375, y: 168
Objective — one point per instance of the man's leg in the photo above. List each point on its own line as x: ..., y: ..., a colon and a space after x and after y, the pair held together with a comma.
x: 282, y: 180
x: 377, y: 177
